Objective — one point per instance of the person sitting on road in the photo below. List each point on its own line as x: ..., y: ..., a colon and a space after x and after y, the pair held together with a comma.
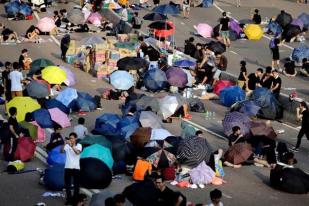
x: 8, y: 35
x: 236, y: 136
x: 256, y: 18
x: 254, y: 81
x: 56, y: 138
x: 136, y: 21
x: 267, y: 79
x: 305, y: 67
x: 32, y: 34
x: 289, y: 68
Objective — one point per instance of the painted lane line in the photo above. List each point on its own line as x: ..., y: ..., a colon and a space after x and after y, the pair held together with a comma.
x: 234, y: 52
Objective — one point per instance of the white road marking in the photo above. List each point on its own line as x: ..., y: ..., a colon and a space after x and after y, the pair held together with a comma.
x: 234, y: 52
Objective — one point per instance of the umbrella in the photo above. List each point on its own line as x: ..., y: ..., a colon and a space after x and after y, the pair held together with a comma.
x: 166, y: 9
x: 231, y: 95
x: 111, y: 5
x: 246, y: 21
x: 32, y: 129
x: 25, y: 149
x: 305, y: 19
x: 155, y: 17
x: 96, y: 139
x: 221, y: 84
x: 132, y: 63
x: 184, y: 63
x: 23, y: 105
x: 160, y: 25
x: 146, y: 101
x: 300, y: 53
x: 106, y: 124
x: 164, y: 33
x: 232, y: 119
x: 238, y: 153
x: 284, y: 19
x: 193, y: 150
x: 66, y: 96
x: 54, y: 178
x: 76, y: 16
x: 54, y: 103
x: 127, y: 126
x: 259, y: 128
x: 253, y: 32
x: 39, y: 64
x: 70, y: 80
x: 234, y: 26
x: 37, y: 89
x: 85, y: 102
x: 54, y: 75
x: 25, y: 9
x: 216, y: 46
x: 46, y: 24
x: 204, y: 30
x: 176, y: 77
x: 140, y: 137
x: 298, y: 22
x: 155, y: 80
x: 59, y: 117
x: 95, y: 18
x: 290, y: 31
x: 122, y: 151
x: 141, y: 193
x: 169, y: 105
x: 43, y: 118
x: 121, y: 80
x: 150, y: 119
x: 159, y: 134
x: 12, y: 8
x: 247, y: 107
x: 98, y: 152
x: 56, y: 157
x: 92, y: 40
x: 274, y: 28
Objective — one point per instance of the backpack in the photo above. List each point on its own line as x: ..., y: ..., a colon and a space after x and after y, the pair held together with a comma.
x: 142, y: 168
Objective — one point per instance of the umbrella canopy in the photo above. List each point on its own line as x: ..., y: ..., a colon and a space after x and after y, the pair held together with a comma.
x: 300, y: 53
x: 204, y: 30
x: 32, y: 129
x: 54, y: 75
x: 127, y: 126
x: 76, y: 16
x: 43, y: 118
x: 166, y: 9
x: 231, y: 95
x: 67, y: 95
x: 193, y: 150
x: 106, y: 124
x: 164, y: 33
x: 305, y: 19
x: 150, y: 119
x: 12, y: 8
x: 141, y: 193
x: 216, y: 46
x: 259, y: 128
x: 98, y: 152
x: 25, y: 149
x: 253, y: 32
x: 96, y: 139
x: 85, y: 102
x: 290, y: 31
x: 146, y: 101
x: 298, y: 22
x: 247, y: 107
x: 54, y: 103
x: 176, y: 77
x: 284, y: 19
x: 222, y: 84
x: 232, y: 119
x: 155, y: 80
x: 274, y: 28
x: 70, y: 80
x: 169, y: 105
x: 54, y: 178
x: 95, y: 18
x: 25, y: 9
x: 111, y: 5
x: 59, y: 117
x: 140, y: 137
x: 46, y: 24
x: 184, y: 63
x: 238, y: 153
x: 56, y: 157
x: 234, y: 26
x: 131, y: 63
x: 91, y: 40
x: 37, y: 89
x: 23, y: 105
x: 159, y: 134
x: 39, y: 64
x: 160, y: 25
x: 121, y: 80
x: 155, y: 17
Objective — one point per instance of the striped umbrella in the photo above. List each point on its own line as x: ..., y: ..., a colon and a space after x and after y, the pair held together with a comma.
x: 194, y: 150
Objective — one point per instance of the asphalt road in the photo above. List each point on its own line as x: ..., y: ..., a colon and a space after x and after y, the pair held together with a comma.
x: 246, y: 186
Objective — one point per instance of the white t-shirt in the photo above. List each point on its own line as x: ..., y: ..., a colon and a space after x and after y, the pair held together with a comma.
x: 124, y: 15
x: 72, y: 159
x: 16, y: 77
x: 220, y: 204
x: 81, y: 131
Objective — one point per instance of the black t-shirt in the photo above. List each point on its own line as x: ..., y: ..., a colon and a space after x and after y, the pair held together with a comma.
x: 257, y: 19
x: 306, y: 66
x: 189, y: 48
x: 275, y: 82
x: 305, y: 119
x: 225, y: 23
x: 289, y: 68
x: 241, y: 76
x: 6, y: 32
x: 233, y: 138
x: 5, y: 76
x: 165, y: 197
x: 12, y: 121
x: 267, y: 81
x: 21, y: 61
x: 252, y: 81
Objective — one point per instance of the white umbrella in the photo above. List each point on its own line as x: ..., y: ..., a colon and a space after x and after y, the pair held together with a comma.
x: 168, y: 105
x: 159, y: 134
x: 150, y: 119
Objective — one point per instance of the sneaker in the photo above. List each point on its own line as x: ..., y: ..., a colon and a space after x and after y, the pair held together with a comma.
x: 82, y: 113
x: 294, y: 149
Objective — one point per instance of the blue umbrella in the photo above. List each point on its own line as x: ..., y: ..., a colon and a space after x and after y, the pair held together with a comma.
x: 67, y: 96
x: 184, y: 63
x: 12, y: 8
x: 166, y: 9
x: 42, y: 117
x: 85, y: 102
x: 231, y: 95
x: 106, y: 124
x: 56, y: 157
x: 53, y: 103
x: 207, y: 3
x: 275, y: 28
x: 305, y: 19
x: 122, y: 80
x: 25, y: 9
x: 300, y: 53
x: 249, y: 108
x: 155, y: 80
x: 128, y: 125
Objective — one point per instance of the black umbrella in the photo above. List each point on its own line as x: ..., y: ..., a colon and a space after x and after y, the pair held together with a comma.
x: 121, y: 150
x: 131, y: 63
x: 284, y: 19
x: 154, y: 17
x: 216, y: 46
x: 37, y: 89
x: 39, y: 64
x: 161, y: 25
x: 141, y: 194
x: 290, y: 31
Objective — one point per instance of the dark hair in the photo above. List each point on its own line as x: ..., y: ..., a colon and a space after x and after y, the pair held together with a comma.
x: 276, y: 41
x: 224, y: 13
x: 215, y: 194
x: 136, y: 13
x: 275, y: 70
x: 198, y: 132
x: 140, y: 38
x: 288, y: 156
x: 7, y: 64
x: 56, y: 13
x: 109, y: 201
x: 268, y: 69
x: 63, y: 10
x: 191, y: 39
x: 12, y: 111
x: 156, y: 176
x: 16, y: 65
x: 305, y: 60
x: 28, y: 117
x: 260, y: 70
x: 57, y: 126
x: 256, y: 10
x: 81, y: 120
x: 119, y: 198
x: 303, y: 103
x: 243, y: 63
x: 73, y: 134
x: 235, y: 128
x: 24, y: 51
x: 80, y: 198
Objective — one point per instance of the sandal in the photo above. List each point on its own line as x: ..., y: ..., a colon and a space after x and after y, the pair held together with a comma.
x: 188, y: 116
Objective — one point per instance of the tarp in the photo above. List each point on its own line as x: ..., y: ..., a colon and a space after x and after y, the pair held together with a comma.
x: 100, y: 152
x: 25, y: 149
x: 43, y: 118
x: 300, y: 53
x: 85, y: 102
x: 54, y: 178
x: 56, y: 157
x: 155, y: 80
x: 231, y: 95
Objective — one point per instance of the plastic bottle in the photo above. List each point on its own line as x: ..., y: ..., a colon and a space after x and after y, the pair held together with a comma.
x: 206, y: 115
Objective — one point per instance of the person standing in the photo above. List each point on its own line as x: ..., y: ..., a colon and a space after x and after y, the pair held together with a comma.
x: 7, y: 82
x: 186, y: 8
x: 72, y: 152
x: 224, y: 29
x: 16, y: 78
x: 242, y: 78
x: 237, y: 3
x: 302, y: 114
x: 257, y: 19
x: 276, y: 86
x: 14, y: 133
x: 276, y: 55
x: 64, y: 46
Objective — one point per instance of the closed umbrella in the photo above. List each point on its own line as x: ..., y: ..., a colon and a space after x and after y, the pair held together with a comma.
x: 150, y: 119
x: 76, y: 16
x: 37, y: 89
x: 166, y: 9
x: 66, y: 96
x: 70, y: 80
x: 98, y: 152
x: 298, y: 22
x: 25, y: 149
x: 231, y: 95
x: 184, y: 63
x: 204, y: 30
x: 91, y: 40
x: 141, y: 137
x: 23, y: 106
x: 39, y: 64
x: 284, y: 19
x: 121, y: 80
x: 95, y: 18
x: 155, y: 17
x: 59, y: 117
x: 176, y: 77
x: 216, y: 46
x: 96, y: 139
x: 160, y: 25
x: 12, y: 8
x: 253, y: 32
x: 43, y: 118
x: 259, y: 128
x: 46, y: 24
x: 238, y: 153
x: 132, y: 63
x: 169, y: 105
x: 54, y: 75
x: 155, y: 80
x: 233, y: 119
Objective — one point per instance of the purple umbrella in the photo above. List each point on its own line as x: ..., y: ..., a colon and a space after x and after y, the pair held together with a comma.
x: 298, y: 22
x: 232, y: 119
x: 235, y: 26
x: 176, y: 77
x: 70, y: 76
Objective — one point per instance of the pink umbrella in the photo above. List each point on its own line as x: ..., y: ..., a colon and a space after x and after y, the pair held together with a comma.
x: 41, y: 132
x: 46, y: 24
x: 86, y: 13
x: 70, y: 76
x: 204, y: 30
x: 59, y: 117
x: 95, y: 18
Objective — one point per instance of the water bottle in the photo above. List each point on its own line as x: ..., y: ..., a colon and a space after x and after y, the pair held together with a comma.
x: 210, y: 115
x: 206, y: 115
x: 214, y: 115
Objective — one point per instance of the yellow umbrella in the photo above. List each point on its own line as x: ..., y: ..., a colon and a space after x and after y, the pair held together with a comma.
x: 54, y: 75
x: 253, y: 32
x: 23, y: 106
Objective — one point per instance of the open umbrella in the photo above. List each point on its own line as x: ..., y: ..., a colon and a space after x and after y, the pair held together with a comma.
x: 176, y: 77
x: 106, y: 124
x: 166, y: 9
x: 148, y: 102
x: 37, y: 89
x: 155, y: 17
x: 100, y: 152
x: 150, y: 119
x: 70, y: 80
x: 216, y: 46
x: 259, y: 128
x: 247, y: 107
x: 95, y: 18
x: 12, y: 8
x: 59, y: 117
x: 39, y: 64
x: 253, y: 32
x: 91, y: 40
x: 96, y: 139
x: 234, y: 26
x: 164, y: 33
x: 43, y: 118
x: 76, y: 16
x: 32, y: 129
x: 54, y: 103
x: 305, y: 19
x: 231, y: 95
x: 238, y: 153
x: 184, y: 63
x: 204, y: 30
x: 85, y: 102
x: 23, y: 105
x: 54, y: 75
x: 127, y: 126
x: 298, y: 22
x: 169, y: 105
x: 131, y: 63
x: 155, y: 80
x: 25, y: 9
x: 222, y: 84
x: 66, y: 96
x: 25, y: 149
x: 56, y: 157
x: 121, y: 80
x: 284, y: 19
x: 140, y: 137
x: 274, y: 28
x: 46, y: 24
x: 290, y: 31
x: 159, y: 134
x: 232, y: 119
x: 301, y: 52
x: 193, y: 150
x: 160, y: 25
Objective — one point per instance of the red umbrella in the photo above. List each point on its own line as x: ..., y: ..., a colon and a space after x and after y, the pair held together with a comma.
x: 238, y: 153
x: 25, y: 149
x: 262, y: 129
x: 221, y: 84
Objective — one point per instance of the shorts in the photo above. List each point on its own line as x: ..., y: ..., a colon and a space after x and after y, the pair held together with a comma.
x: 185, y: 7
x: 225, y: 34
x: 16, y: 94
